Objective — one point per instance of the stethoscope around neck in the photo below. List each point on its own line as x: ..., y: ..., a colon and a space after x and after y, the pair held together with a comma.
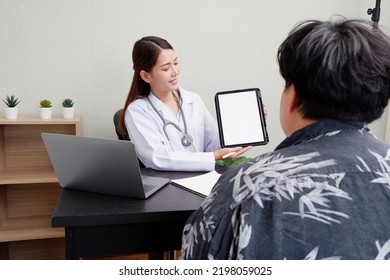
x: 186, y: 140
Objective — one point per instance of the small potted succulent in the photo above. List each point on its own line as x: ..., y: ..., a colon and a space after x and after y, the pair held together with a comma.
x: 67, y: 108
x: 45, y: 109
x: 11, y: 111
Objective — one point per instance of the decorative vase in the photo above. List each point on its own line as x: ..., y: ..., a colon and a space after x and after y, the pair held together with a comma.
x: 68, y: 112
x: 11, y: 113
x: 45, y: 113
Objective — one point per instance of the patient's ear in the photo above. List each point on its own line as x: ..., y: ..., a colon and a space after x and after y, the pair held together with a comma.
x: 295, y: 97
x: 290, y: 117
x: 291, y: 98
x: 145, y: 76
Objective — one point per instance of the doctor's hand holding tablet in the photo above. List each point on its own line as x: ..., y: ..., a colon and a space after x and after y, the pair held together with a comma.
x: 171, y: 127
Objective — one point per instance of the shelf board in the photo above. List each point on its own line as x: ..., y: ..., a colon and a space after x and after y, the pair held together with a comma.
x: 33, y: 178
x: 31, y: 234
x: 32, y: 119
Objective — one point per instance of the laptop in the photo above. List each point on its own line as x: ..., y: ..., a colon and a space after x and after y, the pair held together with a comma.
x: 105, y: 166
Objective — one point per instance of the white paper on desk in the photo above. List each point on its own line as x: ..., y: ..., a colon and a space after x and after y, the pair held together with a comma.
x: 201, y: 184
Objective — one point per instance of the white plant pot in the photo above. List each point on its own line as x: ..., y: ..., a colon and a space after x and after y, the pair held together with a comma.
x: 11, y: 113
x: 45, y: 113
x: 68, y: 112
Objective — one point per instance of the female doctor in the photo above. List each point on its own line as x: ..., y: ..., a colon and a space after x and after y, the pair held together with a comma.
x: 170, y: 127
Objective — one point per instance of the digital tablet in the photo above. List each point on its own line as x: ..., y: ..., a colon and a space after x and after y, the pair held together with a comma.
x: 240, y: 117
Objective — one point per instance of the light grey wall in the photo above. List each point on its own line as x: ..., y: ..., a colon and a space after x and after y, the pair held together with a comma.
x: 81, y: 49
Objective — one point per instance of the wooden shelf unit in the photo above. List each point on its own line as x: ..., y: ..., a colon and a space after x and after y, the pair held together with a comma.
x: 29, y: 188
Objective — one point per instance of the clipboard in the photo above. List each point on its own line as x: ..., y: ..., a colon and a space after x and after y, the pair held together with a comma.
x: 240, y: 117
x: 200, y: 184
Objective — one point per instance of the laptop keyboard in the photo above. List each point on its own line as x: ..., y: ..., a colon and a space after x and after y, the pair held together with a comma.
x: 148, y: 188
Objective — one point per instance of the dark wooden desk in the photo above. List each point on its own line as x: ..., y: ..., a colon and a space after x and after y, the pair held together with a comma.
x: 99, y: 225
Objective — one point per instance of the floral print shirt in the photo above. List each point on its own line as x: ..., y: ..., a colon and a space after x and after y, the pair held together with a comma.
x: 324, y: 193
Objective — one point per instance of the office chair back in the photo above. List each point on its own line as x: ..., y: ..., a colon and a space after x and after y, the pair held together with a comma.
x: 122, y: 135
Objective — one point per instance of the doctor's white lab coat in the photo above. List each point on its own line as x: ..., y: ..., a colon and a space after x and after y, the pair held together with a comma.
x: 162, y: 151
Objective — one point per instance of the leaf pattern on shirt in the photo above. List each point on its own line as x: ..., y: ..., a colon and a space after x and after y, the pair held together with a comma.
x: 313, y: 255
x: 383, y: 251
x: 384, y: 173
x: 285, y: 178
x: 243, y: 234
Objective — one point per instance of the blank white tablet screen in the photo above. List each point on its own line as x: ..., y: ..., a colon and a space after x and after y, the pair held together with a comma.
x: 240, y: 118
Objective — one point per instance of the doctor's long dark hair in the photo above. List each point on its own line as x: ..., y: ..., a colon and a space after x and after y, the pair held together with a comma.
x: 145, y: 55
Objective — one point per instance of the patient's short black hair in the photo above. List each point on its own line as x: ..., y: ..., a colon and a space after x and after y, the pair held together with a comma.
x: 339, y: 68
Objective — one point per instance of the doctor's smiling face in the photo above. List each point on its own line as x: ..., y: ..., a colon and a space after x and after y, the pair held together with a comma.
x: 163, y: 78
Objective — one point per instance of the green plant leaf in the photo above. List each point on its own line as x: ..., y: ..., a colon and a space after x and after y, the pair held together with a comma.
x: 11, y: 101
x: 67, y: 103
x: 231, y: 161
x: 45, y: 103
